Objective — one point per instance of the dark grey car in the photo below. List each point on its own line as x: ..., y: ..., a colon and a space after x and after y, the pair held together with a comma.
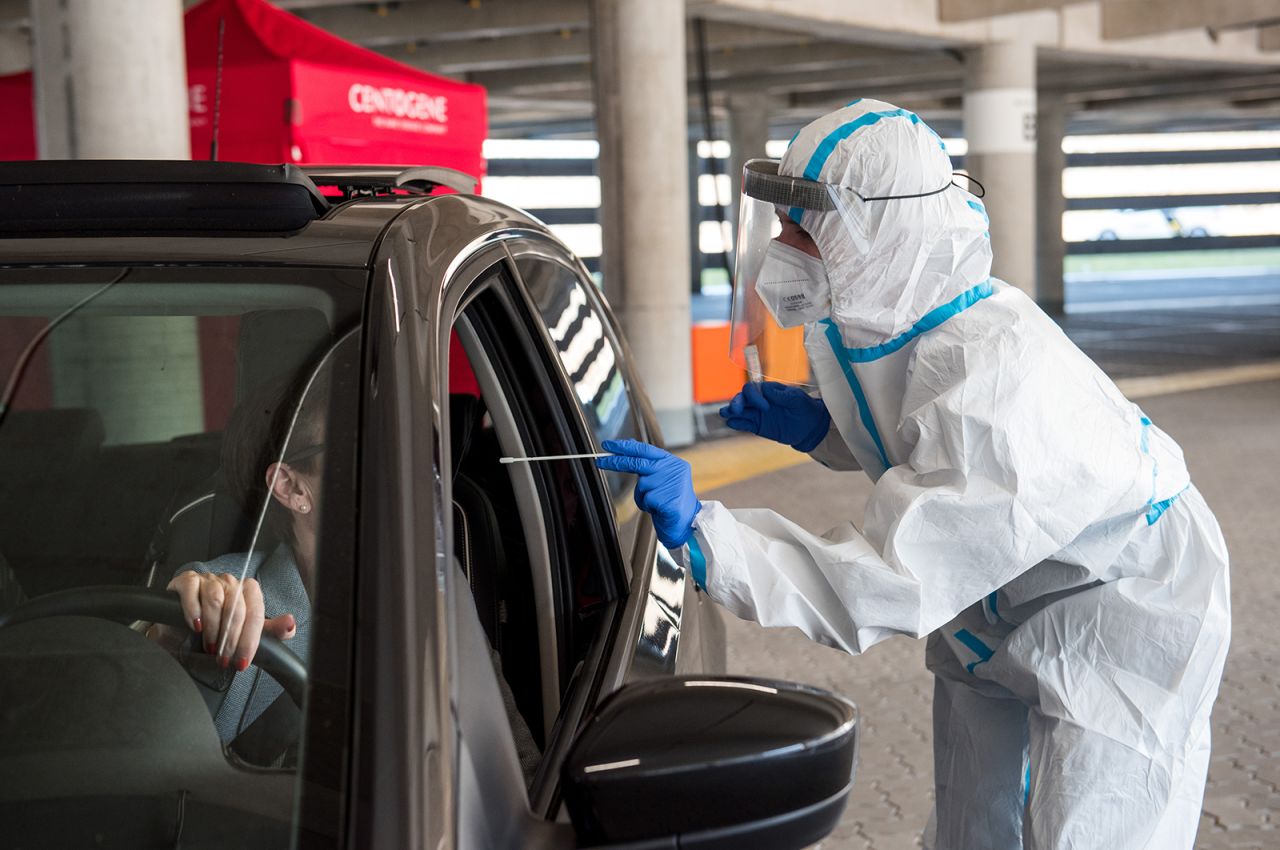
x: 487, y: 653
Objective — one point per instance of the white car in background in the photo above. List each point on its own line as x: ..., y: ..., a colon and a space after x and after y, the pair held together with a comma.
x: 1167, y: 223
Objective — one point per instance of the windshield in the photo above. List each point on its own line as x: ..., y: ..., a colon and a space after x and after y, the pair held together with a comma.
x: 177, y: 450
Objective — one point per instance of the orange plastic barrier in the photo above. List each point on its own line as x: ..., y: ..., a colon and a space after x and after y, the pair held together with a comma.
x: 716, y: 378
x: 782, y: 354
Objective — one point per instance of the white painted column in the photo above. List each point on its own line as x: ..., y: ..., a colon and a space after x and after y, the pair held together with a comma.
x: 111, y: 79
x: 111, y: 83
x: 1051, y: 251
x: 748, y: 135
x: 638, y: 56
x: 999, y: 125
x: 51, y: 80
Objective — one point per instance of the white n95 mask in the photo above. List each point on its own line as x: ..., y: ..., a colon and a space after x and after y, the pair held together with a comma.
x: 793, y: 285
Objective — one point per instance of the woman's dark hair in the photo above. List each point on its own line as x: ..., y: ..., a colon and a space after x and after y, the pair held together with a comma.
x: 255, y: 438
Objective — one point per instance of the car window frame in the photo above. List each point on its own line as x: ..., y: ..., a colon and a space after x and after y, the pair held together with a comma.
x: 582, y: 689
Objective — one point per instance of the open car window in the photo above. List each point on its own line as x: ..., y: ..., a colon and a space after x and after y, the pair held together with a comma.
x: 535, y: 541
x: 593, y: 362
x: 152, y: 417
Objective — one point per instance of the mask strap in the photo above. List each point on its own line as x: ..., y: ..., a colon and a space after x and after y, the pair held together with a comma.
x: 972, y: 180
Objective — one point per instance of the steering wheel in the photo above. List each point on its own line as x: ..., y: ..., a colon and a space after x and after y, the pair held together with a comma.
x: 126, y: 604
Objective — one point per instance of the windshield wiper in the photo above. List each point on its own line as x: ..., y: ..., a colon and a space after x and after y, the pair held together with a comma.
x: 20, y: 368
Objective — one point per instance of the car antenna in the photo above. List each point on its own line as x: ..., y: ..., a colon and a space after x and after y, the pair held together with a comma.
x: 217, y: 91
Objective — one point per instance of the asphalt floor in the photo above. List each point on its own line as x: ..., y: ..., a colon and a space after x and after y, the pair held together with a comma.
x: 1230, y: 433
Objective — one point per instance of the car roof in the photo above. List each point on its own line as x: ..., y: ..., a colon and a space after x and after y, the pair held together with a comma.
x: 59, y: 212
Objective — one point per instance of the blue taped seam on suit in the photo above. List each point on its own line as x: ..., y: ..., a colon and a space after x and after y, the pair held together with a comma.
x: 1157, y: 510
x: 991, y: 601
x: 697, y: 562
x: 1155, y: 466
x: 979, y: 648
x: 1026, y: 785
x: 828, y: 145
x: 928, y: 322
x: 980, y: 209
x: 864, y: 410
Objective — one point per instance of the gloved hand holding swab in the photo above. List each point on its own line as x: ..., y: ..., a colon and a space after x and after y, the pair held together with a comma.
x: 553, y: 457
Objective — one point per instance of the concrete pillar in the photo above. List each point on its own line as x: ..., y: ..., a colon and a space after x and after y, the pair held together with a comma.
x: 1051, y: 122
x: 52, y: 84
x: 111, y: 83
x: 748, y: 135
x: 638, y: 56
x: 15, y: 51
x: 999, y: 125
x: 111, y: 79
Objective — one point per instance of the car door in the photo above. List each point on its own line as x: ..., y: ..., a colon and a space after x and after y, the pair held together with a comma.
x: 465, y: 654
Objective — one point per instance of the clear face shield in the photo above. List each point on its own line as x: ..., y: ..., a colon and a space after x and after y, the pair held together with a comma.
x: 780, y: 285
x: 777, y: 286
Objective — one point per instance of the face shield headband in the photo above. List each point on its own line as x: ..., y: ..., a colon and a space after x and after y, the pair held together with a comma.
x: 761, y: 180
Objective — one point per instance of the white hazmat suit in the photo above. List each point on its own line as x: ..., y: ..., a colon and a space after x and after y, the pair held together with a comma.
x: 1026, y: 517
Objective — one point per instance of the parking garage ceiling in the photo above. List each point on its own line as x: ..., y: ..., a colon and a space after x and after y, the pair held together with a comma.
x: 1120, y: 65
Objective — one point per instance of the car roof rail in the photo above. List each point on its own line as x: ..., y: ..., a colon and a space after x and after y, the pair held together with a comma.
x: 355, y: 181
x: 154, y: 197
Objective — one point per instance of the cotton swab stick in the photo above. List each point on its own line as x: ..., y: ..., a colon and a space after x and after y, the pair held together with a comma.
x: 553, y: 457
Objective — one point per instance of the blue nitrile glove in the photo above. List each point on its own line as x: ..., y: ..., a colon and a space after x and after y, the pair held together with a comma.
x: 664, y: 489
x: 779, y: 412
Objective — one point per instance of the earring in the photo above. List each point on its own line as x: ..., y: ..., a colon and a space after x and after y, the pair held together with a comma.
x: 304, y: 507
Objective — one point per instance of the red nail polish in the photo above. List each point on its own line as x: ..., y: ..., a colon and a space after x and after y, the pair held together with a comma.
x: 224, y: 661
x: 210, y: 647
x: 242, y: 664
x: 199, y: 625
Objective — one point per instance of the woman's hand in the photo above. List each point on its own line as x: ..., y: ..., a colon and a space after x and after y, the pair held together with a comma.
x: 227, y: 620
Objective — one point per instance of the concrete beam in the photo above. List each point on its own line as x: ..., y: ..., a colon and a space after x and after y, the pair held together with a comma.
x: 894, y: 90
x: 297, y: 5
x: 950, y: 11
x: 744, y: 73
x: 1073, y: 29
x: 1269, y: 37
x: 1218, y: 90
x: 534, y: 50
x: 562, y: 47
x: 441, y: 20
x: 1132, y: 18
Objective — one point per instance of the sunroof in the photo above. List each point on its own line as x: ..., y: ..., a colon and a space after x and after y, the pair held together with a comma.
x: 148, y: 197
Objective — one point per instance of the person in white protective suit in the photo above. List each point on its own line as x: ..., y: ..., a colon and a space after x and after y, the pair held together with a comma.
x: 1026, y: 517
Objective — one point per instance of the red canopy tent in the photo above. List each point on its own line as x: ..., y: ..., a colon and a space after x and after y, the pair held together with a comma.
x: 17, y: 117
x: 292, y: 92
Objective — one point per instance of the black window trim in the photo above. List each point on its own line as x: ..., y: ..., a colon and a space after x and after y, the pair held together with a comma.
x: 582, y: 686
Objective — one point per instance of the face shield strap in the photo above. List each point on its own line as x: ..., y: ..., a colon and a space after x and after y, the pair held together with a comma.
x: 761, y: 180
x: 904, y: 197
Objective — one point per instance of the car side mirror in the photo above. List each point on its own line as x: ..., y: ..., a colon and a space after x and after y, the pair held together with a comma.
x: 713, y: 762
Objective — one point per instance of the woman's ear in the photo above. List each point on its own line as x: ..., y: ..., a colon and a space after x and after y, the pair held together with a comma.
x: 288, y: 488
